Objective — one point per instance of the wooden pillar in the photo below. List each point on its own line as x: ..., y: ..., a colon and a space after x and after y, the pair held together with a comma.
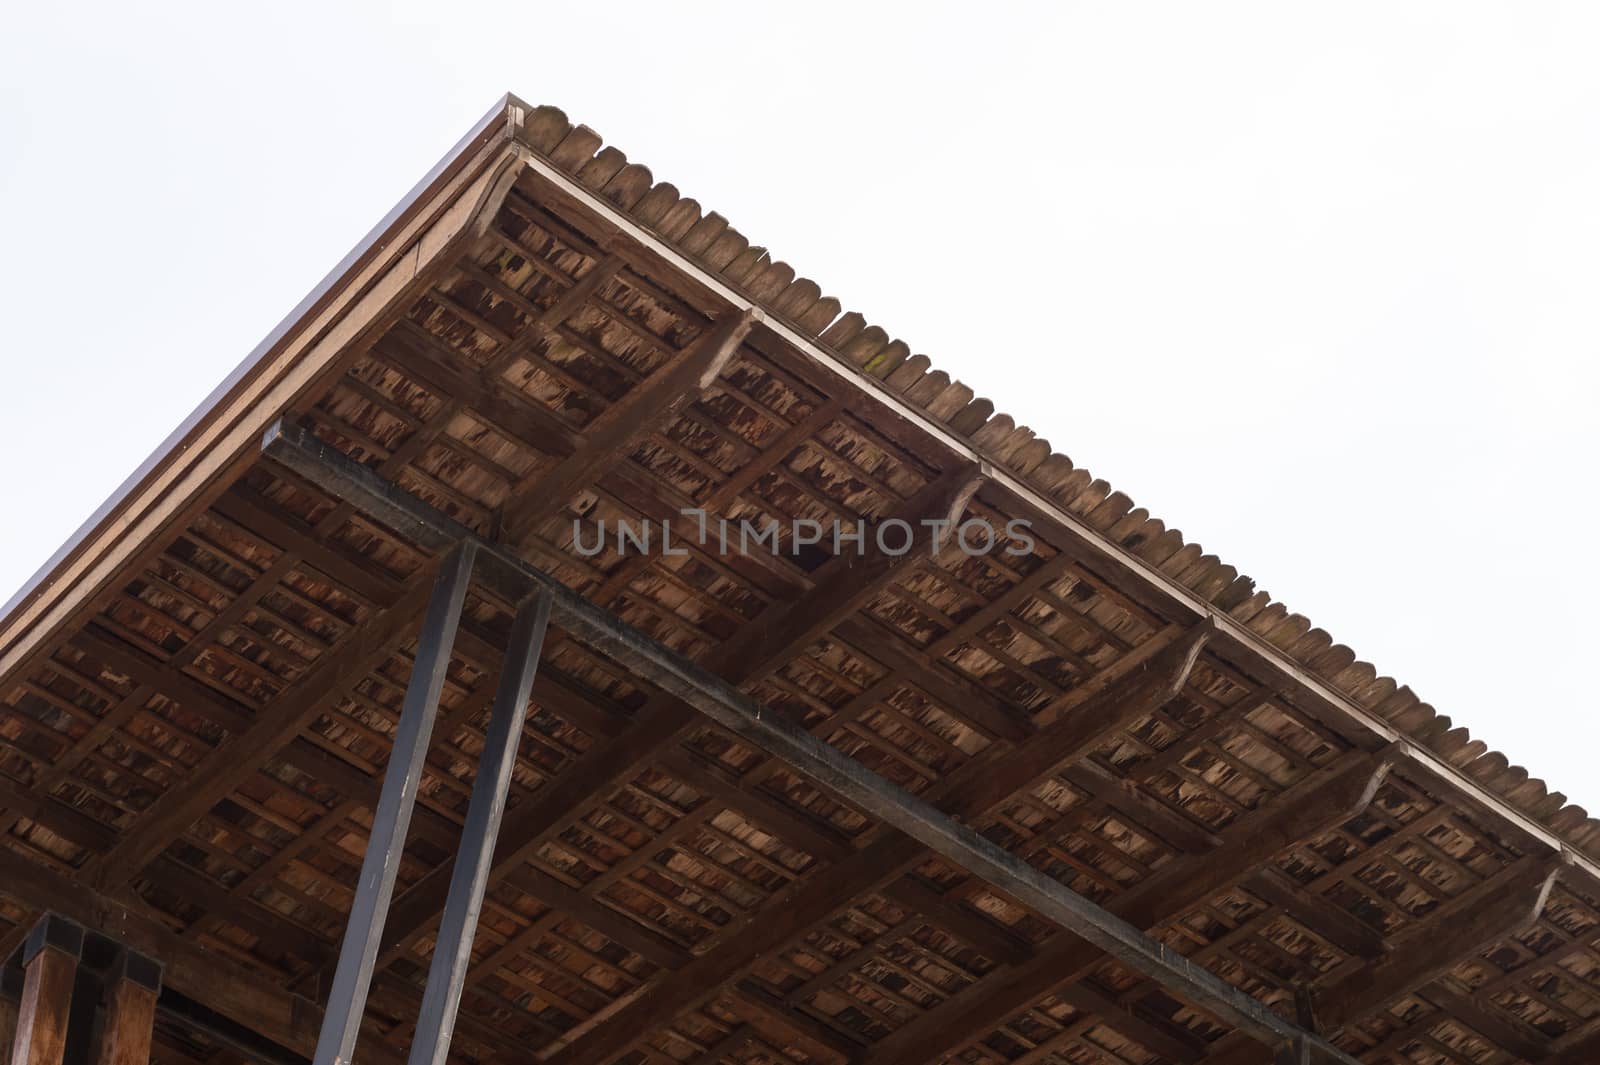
x: 131, y: 990
x: 50, y: 963
x: 8, y: 1025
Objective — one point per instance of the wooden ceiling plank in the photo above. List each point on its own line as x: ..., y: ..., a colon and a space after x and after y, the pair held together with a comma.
x: 1148, y: 1033
x: 811, y: 1034
x: 1315, y: 913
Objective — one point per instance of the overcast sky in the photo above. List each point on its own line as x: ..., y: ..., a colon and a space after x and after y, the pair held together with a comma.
x: 1317, y: 284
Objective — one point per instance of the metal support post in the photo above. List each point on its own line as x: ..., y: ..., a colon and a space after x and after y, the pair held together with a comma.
x: 353, y: 977
x: 452, y: 950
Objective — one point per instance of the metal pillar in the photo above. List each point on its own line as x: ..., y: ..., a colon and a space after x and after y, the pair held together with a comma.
x: 452, y: 951
x: 352, y: 979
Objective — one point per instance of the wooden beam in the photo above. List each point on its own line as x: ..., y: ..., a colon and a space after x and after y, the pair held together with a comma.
x: 1465, y: 926
x: 1139, y: 807
x: 846, y: 582
x: 1153, y: 677
x: 452, y: 948
x: 146, y: 669
x: 1319, y: 803
x: 131, y: 991
x: 271, y: 928
x: 74, y: 825
x: 1297, y: 1052
x: 989, y: 714
x: 1584, y: 1051
x: 607, y: 439
x: 1179, y: 1046
x: 50, y: 964
x: 245, y: 508
x: 613, y: 924
x: 245, y: 996
x: 573, y: 299
x: 413, y: 352
x: 710, y: 778
x: 1499, y: 907
x: 1519, y: 1039
x: 913, y: 894
x: 526, y: 827
x: 994, y: 940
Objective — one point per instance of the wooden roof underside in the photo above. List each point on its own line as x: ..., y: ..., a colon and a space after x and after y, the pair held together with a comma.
x: 195, y: 724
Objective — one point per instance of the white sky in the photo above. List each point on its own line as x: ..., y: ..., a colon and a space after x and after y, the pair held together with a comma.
x: 1314, y: 283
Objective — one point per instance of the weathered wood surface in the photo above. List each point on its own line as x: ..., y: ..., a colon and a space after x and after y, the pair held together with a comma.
x: 193, y: 755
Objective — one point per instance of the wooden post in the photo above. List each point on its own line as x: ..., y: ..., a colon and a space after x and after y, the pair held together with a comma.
x: 8, y: 1025
x: 50, y: 962
x: 131, y: 990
